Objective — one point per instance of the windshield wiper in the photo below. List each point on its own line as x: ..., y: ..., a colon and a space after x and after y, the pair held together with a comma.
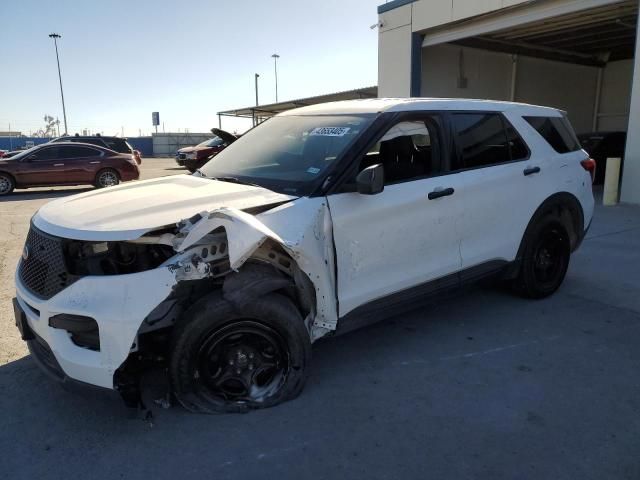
x: 235, y: 180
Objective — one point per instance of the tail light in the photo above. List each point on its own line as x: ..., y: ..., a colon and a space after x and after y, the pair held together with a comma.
x: 590, y: 166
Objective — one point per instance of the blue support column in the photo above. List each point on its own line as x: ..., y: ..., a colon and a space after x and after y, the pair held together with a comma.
x: 416, y: 64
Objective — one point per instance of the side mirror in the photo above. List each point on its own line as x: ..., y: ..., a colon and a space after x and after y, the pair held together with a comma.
x: 370, y: 181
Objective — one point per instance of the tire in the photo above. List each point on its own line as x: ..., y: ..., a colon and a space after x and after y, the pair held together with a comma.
x: 107, y: 177
x: 227, y: 359
x: 7, y: 184
x: 545, y: 260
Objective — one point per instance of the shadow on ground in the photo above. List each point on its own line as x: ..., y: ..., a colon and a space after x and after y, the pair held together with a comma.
x: 484, y: 386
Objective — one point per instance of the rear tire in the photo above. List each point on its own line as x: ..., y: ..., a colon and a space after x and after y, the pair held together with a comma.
x: 228, y: 359
x: 7, y: 184
x: 545, y: 259
x: 107, y: 177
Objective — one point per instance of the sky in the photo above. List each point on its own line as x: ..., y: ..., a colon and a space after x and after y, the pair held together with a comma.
x: 123, y: 59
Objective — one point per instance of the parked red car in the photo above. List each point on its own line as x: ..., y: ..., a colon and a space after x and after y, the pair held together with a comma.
x: 66, y: 163
x: 195, y: 157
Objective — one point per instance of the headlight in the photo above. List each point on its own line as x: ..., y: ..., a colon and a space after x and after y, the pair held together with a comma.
x: 192, y: 155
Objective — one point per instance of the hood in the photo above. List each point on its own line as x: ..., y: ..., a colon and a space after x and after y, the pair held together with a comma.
x: 128, y: 211
x: 229, y: 138
x: 188, y: 149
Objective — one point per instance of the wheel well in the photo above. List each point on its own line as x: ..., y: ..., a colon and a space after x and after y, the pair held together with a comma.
x: 567, y: 209
x: 109, y: 169
x: 8, y: 175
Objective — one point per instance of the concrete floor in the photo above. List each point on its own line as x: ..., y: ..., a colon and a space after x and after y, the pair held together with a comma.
x: 482, y: 386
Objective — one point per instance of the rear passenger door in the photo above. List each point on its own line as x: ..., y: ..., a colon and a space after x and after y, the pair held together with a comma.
x: 503, y: 184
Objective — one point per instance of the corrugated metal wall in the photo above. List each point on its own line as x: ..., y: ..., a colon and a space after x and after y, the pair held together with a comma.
x: 144, y: 144
x: 13, y: 143
x: 168, y: 143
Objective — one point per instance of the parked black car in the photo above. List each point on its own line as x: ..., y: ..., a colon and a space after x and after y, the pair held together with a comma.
x: 603, y: 145
x: 117, y: 144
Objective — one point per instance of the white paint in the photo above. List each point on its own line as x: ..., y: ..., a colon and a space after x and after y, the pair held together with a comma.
x: 118, y: 303
x: 128, y: 211
x: 493, y: 224
x: 381, y: 244
x: 394, y: 240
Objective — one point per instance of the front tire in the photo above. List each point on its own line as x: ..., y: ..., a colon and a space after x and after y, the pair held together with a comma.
x: 228, y: 359
x: 545, y: 260
x: 107, y: 177
x: 7, y: 184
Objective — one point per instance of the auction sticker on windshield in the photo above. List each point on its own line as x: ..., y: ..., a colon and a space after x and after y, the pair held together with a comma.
x: 329, y: 131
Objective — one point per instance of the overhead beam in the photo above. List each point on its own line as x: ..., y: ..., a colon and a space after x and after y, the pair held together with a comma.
x: 512, y: 18
x: 531, y: 50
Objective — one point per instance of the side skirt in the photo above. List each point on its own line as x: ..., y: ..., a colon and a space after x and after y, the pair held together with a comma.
x: 415, y: 297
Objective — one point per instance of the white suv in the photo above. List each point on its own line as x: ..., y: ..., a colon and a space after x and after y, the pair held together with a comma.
x: 317, y: 221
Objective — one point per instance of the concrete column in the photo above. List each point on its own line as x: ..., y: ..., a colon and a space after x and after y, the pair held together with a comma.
x: 630, y: 192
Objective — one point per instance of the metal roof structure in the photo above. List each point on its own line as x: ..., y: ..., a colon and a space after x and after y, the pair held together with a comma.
x: 261, y: 112
x: 589, y: 37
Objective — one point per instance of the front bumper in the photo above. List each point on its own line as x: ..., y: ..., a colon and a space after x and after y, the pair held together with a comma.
x: 118, y: 303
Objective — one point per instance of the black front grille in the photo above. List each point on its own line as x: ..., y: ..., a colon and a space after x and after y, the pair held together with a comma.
x: 43, y: 270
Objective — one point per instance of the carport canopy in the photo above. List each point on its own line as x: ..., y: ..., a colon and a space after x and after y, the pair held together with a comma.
x: 269, y: 110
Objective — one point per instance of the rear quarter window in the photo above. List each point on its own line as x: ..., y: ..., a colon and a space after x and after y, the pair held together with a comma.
x: 118, y: 144
x: 557, y: 131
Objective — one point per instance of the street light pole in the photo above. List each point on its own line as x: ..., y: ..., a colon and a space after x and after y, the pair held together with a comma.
x: 257, y: 76
x: 55, y: 37
x: 275, y: 57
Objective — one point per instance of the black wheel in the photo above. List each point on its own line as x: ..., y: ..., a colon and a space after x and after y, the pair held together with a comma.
x: 6, y: 184
x: 545, y: 261
x: 227, y: 359
x: 107, y: 178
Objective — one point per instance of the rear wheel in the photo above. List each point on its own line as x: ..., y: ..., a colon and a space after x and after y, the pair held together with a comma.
x: 6, y: 184
x: 107, y: 178
x: 547, y: 251
x: 232, y: 359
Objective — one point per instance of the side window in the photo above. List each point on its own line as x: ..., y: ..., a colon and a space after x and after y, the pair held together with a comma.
x: 557, y: 132
x: 118, y: 145
x: 407, y: 151
x: 78, y: 152
x: 44, y: 154
x: 517, y: 147
x: 482, y: 139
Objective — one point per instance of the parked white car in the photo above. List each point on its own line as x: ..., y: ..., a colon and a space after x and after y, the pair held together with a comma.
x: 320, y: 220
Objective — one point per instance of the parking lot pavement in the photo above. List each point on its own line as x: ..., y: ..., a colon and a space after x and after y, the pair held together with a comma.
x: 484, y: 386
x: 15, y: 212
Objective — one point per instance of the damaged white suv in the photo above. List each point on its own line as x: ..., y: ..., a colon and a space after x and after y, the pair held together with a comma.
x: 318, y: 221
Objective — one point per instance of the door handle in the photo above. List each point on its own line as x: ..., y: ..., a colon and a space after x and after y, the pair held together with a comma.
x: 58, y: 164
x: 441, y: 193
x: 531, y: 170
x: 93, y: 163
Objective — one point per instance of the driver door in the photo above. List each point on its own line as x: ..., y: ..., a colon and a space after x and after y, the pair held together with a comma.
x: 403, y: 242
x: 44, y: 166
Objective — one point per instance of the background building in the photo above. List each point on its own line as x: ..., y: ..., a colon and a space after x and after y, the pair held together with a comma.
x: 577, y: 55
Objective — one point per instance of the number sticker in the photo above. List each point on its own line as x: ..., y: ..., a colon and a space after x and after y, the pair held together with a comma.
x: 329, y: 131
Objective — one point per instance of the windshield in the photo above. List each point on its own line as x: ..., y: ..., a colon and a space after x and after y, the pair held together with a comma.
x: 289, y: 154
x: 214, y: 142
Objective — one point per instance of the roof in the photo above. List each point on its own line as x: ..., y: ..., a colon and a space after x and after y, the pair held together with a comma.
x: 275, y: 108
x: 380, y: 105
